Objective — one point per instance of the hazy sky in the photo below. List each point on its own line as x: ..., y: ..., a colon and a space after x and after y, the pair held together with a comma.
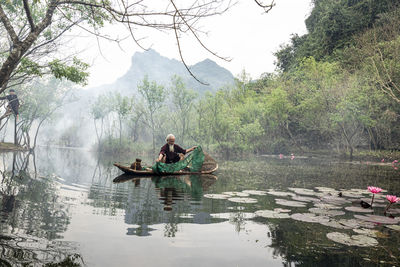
x: 244, y: 33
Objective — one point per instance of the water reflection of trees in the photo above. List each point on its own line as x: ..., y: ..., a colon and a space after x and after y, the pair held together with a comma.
x: 32, y: 215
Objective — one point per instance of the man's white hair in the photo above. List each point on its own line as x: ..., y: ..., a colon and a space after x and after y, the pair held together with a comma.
x: 169, y: 136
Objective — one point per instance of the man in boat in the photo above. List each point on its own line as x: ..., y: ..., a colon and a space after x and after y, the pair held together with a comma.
x: 171, y: 152
x: 13, y: 104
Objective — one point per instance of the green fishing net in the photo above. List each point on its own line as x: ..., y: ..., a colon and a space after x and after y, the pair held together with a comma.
x: 193, y: 162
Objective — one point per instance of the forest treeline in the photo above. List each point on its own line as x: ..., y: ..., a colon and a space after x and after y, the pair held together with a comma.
x: 337, y: 87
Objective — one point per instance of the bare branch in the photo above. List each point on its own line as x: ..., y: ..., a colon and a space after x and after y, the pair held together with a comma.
x: 266, y: 7
x: 194, y: 33
x: 29, y: 15
x: 181, y: 56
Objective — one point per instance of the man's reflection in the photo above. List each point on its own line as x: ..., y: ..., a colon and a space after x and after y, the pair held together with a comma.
x: 173, y: 188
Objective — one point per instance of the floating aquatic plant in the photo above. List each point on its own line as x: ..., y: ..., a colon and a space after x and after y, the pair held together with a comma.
x: 306, y: 199
x: 348, y: 224
x: 280, y: 194
x: 246, y: 200
x: 281, y: 210
x: 216, y: 196
x: 393, y: 227
x: 272, y: 214
x: 377, y: 219
x: 368, y: 232
x: 351, y: 194
x: 326, y: 189
x: 284, y: 202
x: 335, y: 200
x: 309, y: 217
x: 236, y: 194
x: 304, y: 191
x: 327, y: 206
x: 255, y: 192
x: 358, y: 209
x: 354, y: 240
x: 326, y: 212
x: 392, y: 199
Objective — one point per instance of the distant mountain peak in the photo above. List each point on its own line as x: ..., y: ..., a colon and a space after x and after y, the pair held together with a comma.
x: 160, y: 69
x: 206, y: 61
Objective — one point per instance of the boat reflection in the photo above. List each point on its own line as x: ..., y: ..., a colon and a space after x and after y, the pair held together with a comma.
x: 171, y: 189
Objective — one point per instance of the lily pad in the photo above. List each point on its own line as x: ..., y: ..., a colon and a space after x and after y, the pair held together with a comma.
x: 280, y: 194
x: 368, y: 232
x: 359, y: 191
x: 358, y: 209
x: 255, y: 192
x: 236, y: 194
x: 393, y: 227
x: 309, y: 217
x: 336, y: 224
x: 303, y: 191
x: 282, y: 210
x: 393, y: 211
x: 335, y: 200
x: 327, y: 212
x: 378, y: 205
x: 246, y: 200
x: 351, y: 194
x: 327, y: 206
x: 284, y: 202
x: 272, y: 214
x: 216, y: 196
x: 354, y: 240
x: 306, y: 199
x: 348, y: 224
x: 326, y: 189
x: 377, y: 219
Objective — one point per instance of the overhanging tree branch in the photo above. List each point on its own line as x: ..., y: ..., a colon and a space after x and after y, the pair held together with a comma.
x: 29, y: 15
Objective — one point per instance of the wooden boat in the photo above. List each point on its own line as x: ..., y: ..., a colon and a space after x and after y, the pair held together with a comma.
x: 128, y: 170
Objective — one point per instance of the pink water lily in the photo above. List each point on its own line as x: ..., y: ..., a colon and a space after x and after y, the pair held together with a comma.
x: 281, y: 156
x: 383, y: 160
x: 395, y: 161
x: 292, y: 156
x: 374, y: 190
x: 392, y: 199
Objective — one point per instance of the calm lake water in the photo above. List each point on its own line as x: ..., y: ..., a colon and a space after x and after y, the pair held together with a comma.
x: 63, y: 206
